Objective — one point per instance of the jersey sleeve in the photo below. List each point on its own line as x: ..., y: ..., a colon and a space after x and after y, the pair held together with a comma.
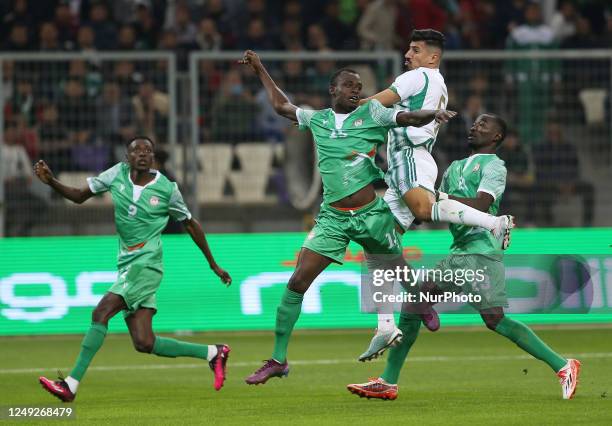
x: 103, y: 181
x: 177, y: 209
x: 444, y: 183
x: 384, y: 117
x: 493, y: 180
x: 303, y: 117
x: 409, y: 84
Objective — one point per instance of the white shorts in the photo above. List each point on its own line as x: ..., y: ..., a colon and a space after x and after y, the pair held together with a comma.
x: 408, y: 169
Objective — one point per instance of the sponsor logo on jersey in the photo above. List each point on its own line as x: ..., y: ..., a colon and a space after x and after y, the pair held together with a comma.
x: 154, y: 201
x: 358, y: 122
x: 476, y: 168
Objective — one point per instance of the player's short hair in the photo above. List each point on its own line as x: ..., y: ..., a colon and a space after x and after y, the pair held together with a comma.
x: 333, y: 80
x: 502, y: 126
x: 431, y: 37
x: 146, y: 138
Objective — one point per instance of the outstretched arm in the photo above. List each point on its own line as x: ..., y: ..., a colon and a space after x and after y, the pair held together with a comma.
x: 387, y: 97
x: 277, y: 97
x: 194, y: 229
x: 76, y: 195
x: 423, y: 117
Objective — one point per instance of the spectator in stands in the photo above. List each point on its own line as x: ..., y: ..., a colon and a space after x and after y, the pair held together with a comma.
x: 471, y: 110
x: 558, y: 172
x: 532, y: 80
x: 125, y: 75
x: 105, y: 30
x: 76, y: 112
x: 256, y: 37
x: 126, y: 38
x: 583, y: 37
x: 8, y: 82
x: 18, y: 15
x: 376, y: 27
x: 86, y: 39
x: 215, y: 10
x: 25, y: 136
x: 115, y: 115
x: 520, y: 177
x: 291, y: 35
x: 54, y: 141
x: 293, y: 80
x: 146, y: 27
x: 427, y: 14
x: 233, y: 111
x: 318, y: 76
x: 563, y: 22
x: 22, y: 206
x: 19, y: 39
x: 66, y: 26
x: 48, y: 37
x: 23, y: 103
x: 317, y: 40
x: 338, y: 34
x: 208, y: 38
x: 507, y: 16
x: 255, y: 10
x: 88, y: 75
x: 151, y: 107
x: 185, y: 29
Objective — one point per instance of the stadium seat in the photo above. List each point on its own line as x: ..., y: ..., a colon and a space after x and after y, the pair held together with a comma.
x: 249, y: 187
x: 79, y: 180
x: 593, y: 105
x: 255, y: 158
x: 215, y: 159
x: 210, y: 188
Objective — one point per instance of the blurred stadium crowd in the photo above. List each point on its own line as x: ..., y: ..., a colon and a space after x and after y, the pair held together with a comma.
x: 292, y: 25
x: 77, y: 113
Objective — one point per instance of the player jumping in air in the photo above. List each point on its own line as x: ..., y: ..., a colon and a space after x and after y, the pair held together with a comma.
x: 412, y: 171
x: 346, y: 137
x: 478, y: 181
x: 144, y: 200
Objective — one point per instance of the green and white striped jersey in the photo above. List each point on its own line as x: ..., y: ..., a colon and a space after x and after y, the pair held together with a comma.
x: 421, y: 88
x: 141, y: 212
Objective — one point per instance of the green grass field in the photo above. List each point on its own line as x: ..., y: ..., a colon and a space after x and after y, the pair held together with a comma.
x: 451, y: 377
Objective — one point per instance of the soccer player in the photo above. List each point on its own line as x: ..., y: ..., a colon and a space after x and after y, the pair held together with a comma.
x: 144, y: 200
x: 346, y: 136
x: 478, y: 181
x: 412, y: 171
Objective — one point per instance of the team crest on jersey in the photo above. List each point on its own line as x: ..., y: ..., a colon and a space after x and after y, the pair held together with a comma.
x: 154, y: 201
x: 476, y: 168
x: 358, y: 122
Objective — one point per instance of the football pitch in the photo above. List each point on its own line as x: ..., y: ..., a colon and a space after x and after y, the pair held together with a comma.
x: 454, y: 376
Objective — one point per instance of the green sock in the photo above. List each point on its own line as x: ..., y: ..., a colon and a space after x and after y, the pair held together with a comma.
x: 528, y: 341
x: 89, y: 346
x: 287, y: 315
x: 410, y: 325
x: 172, y: 348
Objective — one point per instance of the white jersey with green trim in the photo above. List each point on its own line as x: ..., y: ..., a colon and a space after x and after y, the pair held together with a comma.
x: 418, y: 89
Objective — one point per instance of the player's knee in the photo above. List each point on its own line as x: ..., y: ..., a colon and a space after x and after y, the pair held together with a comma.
x: 144, y: 345
x: 492, y: 320
x: 101, y: 314
x: 298, y: 283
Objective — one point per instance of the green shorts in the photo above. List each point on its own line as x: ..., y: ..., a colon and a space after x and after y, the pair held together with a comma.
x: 372, y: 226
x: 488, y: 279
x: 137, y: 285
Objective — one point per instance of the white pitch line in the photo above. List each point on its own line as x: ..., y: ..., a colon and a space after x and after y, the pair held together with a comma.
x: 302, y: 362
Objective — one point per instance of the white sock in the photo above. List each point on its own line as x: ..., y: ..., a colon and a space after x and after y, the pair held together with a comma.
x: 212, y: 352
x: 72, y: 383
x: 455, y: 212
x: 386, y: 323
